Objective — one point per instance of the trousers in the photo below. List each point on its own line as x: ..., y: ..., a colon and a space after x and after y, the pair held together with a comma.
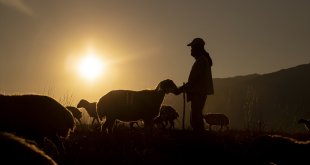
x: 196, y: 118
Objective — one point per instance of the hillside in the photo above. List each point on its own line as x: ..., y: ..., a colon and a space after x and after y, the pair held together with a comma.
x: 270, y: 102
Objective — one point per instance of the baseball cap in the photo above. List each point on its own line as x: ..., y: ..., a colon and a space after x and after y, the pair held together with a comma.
x: 197, y: 41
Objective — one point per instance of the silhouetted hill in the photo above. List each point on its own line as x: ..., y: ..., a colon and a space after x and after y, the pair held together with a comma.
x: 270, y: 102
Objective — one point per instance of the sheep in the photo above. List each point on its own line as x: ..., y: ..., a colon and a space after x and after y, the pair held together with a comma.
x: 90, y: 109
x: 167, y: 115
x: 128, y: 105
x: 216, y: 119
x: 279, y: 149
x: 306, y: 123
x: 18, y: 150
x: 36, y: 117
x: 132, y: 124
x: 75, y: 112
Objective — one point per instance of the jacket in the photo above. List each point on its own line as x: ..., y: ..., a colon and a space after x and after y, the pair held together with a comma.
x: 200, y: 78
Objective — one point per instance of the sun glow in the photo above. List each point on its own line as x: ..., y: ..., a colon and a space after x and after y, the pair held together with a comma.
x: 91, y: 66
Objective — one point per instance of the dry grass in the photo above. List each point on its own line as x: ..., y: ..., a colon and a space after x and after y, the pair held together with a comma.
x: 130, y: 146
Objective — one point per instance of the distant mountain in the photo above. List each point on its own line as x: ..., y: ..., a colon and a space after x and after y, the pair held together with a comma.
x: 268, y: 102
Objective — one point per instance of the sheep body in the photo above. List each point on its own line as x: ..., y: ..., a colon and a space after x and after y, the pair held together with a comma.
x: 167, y: 115
x: 36, y: 117
x: 216, y: 119
x: 128, y: 105
x: 17, y: 150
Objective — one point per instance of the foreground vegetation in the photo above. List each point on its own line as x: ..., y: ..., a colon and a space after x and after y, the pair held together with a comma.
x: 129, y: 146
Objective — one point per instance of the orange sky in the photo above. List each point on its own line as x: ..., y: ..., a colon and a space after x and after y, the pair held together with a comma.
x: 143, y: 42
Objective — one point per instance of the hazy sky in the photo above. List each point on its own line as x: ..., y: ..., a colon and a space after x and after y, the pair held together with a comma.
x: 143, y: 42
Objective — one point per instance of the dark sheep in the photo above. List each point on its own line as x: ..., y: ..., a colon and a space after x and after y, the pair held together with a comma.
x: 216, y: 119
x: 167, y: 115
x: 279, y: 149
x: 17, y: 150
x: 36, y: 117
x: 306, y: 123
x: 127, y: 105
x: 75, y: 112
x: 90, y: 109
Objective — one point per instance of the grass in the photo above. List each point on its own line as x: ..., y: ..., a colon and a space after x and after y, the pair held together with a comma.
x: 126, y: 146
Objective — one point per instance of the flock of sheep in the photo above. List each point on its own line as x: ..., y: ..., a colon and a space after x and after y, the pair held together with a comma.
x: 38, y: 117
x: 28, y: 122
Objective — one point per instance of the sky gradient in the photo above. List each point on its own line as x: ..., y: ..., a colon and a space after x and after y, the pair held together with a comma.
x: 143, y: 42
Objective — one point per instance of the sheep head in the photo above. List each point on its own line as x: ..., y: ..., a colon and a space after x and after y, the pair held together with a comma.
x: 82, y: 104
x: 302, y: 121
x: 167, y: 86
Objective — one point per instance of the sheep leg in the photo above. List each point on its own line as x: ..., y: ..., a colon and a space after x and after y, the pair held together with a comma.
x: 92, y: 123
x: 171, y: 124
x: 148, y: 127
x: 111, y: 126
x: 108, y: 125
x: 165, y: 123
x: 105, y: 125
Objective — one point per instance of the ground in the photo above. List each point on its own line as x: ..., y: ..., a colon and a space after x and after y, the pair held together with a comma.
x: 130, y: 146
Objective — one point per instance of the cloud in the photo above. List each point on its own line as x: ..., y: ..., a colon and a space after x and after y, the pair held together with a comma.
x: 18, y: 5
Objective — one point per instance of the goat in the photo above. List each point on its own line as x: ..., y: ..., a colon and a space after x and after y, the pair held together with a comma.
x: 167, y: 115
x: 18, y: 150
x: 306, y: 123
x: 75, y: 112
x: 216, y: 119
x: 36, y: 117
x: 127, y: 105
x: 90, y: 109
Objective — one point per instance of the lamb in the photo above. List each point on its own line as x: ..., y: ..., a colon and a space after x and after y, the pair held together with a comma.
x: 75, y: 112
x: 216, y: 119
x: 127, y: 105
x: 17, y: 150
x: 36, y: 117
x: 306, y: 123
x: 167, y: 115
x: 90, y: 109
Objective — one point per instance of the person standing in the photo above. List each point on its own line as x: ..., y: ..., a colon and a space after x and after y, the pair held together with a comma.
x: 200, y: 83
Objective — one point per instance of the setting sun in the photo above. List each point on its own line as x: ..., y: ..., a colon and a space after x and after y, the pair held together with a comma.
x: 91, y: 67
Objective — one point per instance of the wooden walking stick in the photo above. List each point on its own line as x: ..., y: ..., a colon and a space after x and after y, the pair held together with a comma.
x: 183, y: 120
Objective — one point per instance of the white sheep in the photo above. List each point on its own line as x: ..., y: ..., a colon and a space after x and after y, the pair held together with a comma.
x: 36, y: 117
x: 127, y: 105
x: 167, y: 115
x: 75, y: 112
x: 18, y: 150
x: 216, y: 119
x: 90, y: 109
